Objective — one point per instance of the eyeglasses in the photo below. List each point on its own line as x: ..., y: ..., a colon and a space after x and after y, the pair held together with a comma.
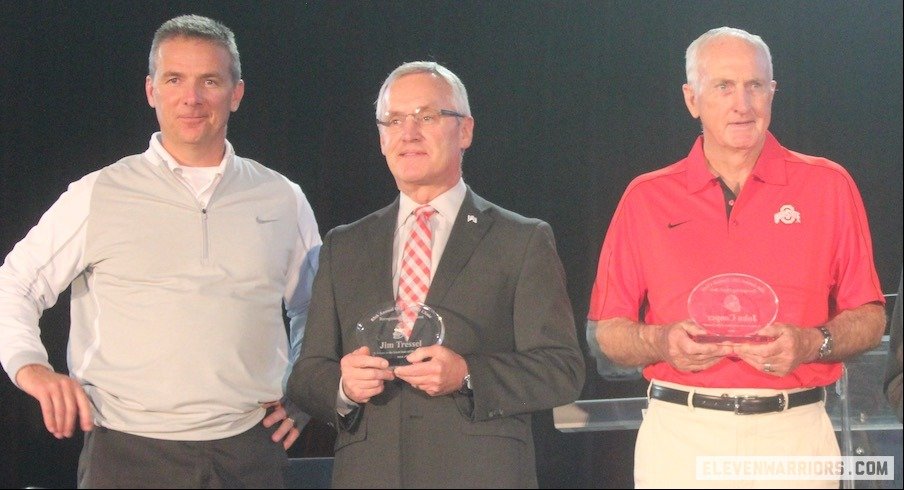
x: 422, y: 117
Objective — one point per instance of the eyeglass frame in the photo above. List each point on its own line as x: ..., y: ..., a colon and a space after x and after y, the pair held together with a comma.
x: 417, y: 121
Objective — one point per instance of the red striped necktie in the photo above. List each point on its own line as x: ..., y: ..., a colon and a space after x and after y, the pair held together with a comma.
x: 414, y: 277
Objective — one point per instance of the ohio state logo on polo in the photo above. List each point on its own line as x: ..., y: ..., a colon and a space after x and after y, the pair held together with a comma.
x: 787, y: 215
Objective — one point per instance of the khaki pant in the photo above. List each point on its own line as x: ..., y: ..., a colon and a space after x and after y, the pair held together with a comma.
x: 672, y: 437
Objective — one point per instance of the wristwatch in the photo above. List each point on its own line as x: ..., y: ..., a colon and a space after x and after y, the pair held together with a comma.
x: 466, y: 385
x: 825, y: 350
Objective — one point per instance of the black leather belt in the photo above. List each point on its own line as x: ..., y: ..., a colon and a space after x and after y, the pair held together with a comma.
x: 741, y: 405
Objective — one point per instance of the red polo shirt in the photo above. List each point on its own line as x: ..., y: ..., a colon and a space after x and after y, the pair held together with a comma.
x: 798, y: 224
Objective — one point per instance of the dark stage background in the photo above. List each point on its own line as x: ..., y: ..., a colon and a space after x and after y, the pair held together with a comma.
x: 571, y: 100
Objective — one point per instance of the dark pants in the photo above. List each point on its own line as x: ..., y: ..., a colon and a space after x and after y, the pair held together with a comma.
x: 112, y: 459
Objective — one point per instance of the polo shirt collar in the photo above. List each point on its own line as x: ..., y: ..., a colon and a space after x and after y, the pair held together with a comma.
x: 158, y: 155
x: 770, y: 166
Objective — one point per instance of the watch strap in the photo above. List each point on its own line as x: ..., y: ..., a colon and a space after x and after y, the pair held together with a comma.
x: 825, y: 350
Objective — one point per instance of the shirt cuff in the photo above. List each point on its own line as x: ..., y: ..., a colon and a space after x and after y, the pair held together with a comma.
x: 344, y: 405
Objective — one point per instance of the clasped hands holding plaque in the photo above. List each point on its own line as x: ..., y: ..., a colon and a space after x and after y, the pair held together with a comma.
x: 401, y: 341
x: 733, y: 313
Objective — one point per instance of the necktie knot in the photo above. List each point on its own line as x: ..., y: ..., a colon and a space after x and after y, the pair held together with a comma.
x: 424, y: 212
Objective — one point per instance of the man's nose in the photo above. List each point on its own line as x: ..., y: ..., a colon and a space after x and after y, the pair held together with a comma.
x: 192, y: 94
x: 411, y: 130
x: 743, y: 100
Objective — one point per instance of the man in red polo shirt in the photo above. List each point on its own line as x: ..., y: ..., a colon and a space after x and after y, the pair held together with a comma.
x: 738, y: 203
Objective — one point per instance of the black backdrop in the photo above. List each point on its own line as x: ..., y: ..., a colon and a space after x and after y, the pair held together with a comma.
x: 571, y: 100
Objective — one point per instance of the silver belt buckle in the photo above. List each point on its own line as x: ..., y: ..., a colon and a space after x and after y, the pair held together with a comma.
x: 737, y: 404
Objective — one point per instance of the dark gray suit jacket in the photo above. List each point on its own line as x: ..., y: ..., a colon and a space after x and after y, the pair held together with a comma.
x: 500, y: 289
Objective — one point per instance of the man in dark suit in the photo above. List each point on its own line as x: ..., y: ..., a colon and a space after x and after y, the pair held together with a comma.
x: 459, y: 415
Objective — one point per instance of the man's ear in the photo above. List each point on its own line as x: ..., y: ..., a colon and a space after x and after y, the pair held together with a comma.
x: 149, y: 91
x: 690, y: 100
x: 237, y: 93
x: 466, y: 133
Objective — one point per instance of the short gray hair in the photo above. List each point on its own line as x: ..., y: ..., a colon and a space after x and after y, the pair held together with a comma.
x: 692, y: 56
x: 459, y: 93
x: 197, y: 27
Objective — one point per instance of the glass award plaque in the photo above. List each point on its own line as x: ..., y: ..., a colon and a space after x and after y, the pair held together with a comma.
x: 396, y: 329
x: 732, y: 308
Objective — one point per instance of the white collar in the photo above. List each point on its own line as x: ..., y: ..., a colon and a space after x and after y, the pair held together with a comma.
x: 446, y: 204
x: 158, y: 154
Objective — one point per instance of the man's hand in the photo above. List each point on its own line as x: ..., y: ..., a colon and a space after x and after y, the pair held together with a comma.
x: 676, y: 346
x: 363, y: 375
x: 792, y: 346
x: 62, y: 399
x: 435, y: 370
x: 287, y: 432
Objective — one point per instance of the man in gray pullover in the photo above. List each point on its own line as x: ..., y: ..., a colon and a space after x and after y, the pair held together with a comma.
x: 180, y: 259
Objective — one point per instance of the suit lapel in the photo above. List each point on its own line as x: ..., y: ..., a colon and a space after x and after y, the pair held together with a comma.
x: 379, y: 244
x: 471, y: 224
